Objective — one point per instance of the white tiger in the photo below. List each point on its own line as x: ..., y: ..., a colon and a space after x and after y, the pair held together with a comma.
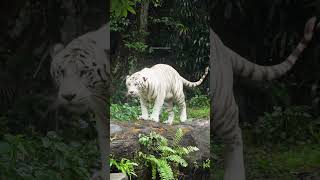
x: 162, y: 84
x: 81, y: 71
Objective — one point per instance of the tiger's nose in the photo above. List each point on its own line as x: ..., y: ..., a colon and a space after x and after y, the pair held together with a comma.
x: 130, y: 92
x: 68, y: 97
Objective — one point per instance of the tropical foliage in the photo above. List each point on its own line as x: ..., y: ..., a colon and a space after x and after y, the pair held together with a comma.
x: 164, y: 159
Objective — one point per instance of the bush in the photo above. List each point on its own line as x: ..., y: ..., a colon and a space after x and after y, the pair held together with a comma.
x: 199, y: 101
x: 125, y: 166
x: 292, y: 125
x: 48, y: 157
x: 124, y: 112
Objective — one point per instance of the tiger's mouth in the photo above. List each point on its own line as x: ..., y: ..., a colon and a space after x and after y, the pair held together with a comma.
x: 131, y: 95
x: 71, y: 103
x: 75, y: 107
x: 70, y: 106
x: 76, y: 102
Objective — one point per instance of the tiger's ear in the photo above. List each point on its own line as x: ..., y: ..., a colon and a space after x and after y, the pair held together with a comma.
x: 56, y: 49
x: 127, y: 76
x: 145, y: 79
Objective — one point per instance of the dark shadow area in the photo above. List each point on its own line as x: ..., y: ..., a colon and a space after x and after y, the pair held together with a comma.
x: 36, y: 143
x: 279, y: 118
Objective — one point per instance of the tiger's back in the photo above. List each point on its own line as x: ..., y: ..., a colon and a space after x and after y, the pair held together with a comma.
x: 168, y: 78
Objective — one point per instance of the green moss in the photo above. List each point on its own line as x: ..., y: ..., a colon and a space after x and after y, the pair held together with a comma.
x: 198, y: 113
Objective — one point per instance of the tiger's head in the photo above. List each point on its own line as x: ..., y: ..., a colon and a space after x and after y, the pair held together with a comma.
x: 76, y: 74
x: 136, y: 84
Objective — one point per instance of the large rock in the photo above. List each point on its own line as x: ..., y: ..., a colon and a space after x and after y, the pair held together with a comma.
x: 124, y: 135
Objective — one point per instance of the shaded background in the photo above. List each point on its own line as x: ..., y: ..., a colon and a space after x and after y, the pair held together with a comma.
x: 265, y: 32
x: 280, y: 119
x: 34, y: 146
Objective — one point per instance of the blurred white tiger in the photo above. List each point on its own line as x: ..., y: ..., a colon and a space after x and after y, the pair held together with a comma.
x: 225, y: 115
x: 81, y: 71
x: 162, y: 84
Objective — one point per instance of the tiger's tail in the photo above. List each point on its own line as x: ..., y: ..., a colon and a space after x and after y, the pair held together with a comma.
x: 194, y: 84
x: 245, y: 68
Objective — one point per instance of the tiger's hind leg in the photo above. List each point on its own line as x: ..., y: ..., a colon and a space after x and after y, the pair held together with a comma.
x: 169, y: 105
x: 227, y: 127
x: 182, y: 103
x: 157, y: 107
x: 233, y: 153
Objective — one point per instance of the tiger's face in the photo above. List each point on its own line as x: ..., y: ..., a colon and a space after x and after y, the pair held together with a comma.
x: 74, y: 78
x: 136, y: 83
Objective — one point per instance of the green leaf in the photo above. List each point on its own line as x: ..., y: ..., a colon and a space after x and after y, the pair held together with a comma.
x: 45, y: 142
x: 178, y: 137
x: 5, y: 147
x: 130, y: 9
x: 166, y: 149
x: 177, y: 159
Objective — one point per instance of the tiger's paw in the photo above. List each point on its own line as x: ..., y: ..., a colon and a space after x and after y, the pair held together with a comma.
x: 183, y: 119
x: 168, y: 122
x: 143, y: 117
x: 154, y: 118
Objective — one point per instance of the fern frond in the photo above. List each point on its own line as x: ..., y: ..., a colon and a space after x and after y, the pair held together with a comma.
x: 182, y: 151
x: 186, y: 150
x: 162, y: 166
x: 154, y: 164
x: 192, y: 149
x: 163, y: 141
x: 164, y: 157
x: 166, y: 150
x: 178, y: 137
x: 165, y: 170
x: 154, y: 171
x: 177, y: 159
x: 151, y: 158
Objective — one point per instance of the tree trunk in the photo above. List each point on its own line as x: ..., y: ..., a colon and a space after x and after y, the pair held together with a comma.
x: 143, y: 15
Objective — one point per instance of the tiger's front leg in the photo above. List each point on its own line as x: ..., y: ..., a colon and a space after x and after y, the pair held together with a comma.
x: 103, y: 145
x: 157, y: 107
x: 170, y: 111
x: 102, y: 126
x: 144, y: 109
